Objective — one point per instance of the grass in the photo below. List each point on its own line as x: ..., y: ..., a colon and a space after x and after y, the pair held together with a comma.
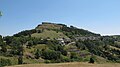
x: 71, y: 64
x: 38, y: 46
x: 100, y: 60
x: 69, y: 47
x: 49, y: 33
x: 14, y: 60
x: 41, y: 46
x: 29, y: 61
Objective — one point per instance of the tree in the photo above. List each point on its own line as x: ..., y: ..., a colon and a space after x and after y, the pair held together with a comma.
x: 73, y: 55
x: 20, y: 60
x: 80, y: 45
x: 25, y: 33
x: 62, y: 50
x: 4, y: 49
x: 39, y: 31
x: 91, y: 60
x: 8, y: 39
x: 51, y: 55
x: 17, y: 47
x: 1, y: 40
x: 30, y: 43
x: 38, y: 54
x: 3, y: 45
x: 5, y: 62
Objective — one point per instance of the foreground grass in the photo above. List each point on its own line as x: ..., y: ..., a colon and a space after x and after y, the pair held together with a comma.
x: 72, y: 64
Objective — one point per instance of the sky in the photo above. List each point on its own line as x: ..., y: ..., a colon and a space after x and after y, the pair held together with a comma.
x: 98, y: 16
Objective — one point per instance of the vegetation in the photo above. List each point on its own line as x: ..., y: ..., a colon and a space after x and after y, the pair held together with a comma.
x: 49, y: 34
x: 91, y: 60
x: 55, y: 43
x: 5, y: 62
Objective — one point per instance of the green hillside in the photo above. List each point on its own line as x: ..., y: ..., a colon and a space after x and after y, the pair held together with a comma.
x: 53, y: 30
x: 56, y: 43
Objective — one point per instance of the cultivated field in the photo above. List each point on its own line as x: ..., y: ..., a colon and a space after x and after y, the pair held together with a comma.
x: 74, y: 64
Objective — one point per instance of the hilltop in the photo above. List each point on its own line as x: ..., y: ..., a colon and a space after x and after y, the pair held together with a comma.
x: 47, y: 29
x: 56, y: 43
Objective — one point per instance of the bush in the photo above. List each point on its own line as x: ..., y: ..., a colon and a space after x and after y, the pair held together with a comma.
x: 5, y: 62
x: 73, y: 55
x: 64, y: 52
x: 51, y: 55
x: 38, y: 54
x: 91, y: 60
x: 47, y: 61
x: 65, y: 59
x: 20, y: 60
x: 56, y: 61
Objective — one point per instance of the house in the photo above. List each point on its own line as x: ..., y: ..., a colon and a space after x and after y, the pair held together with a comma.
x: 67, y: 40
x: 61, y: 41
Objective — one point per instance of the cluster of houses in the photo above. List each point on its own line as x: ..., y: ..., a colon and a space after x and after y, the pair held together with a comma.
x: 64, y: 41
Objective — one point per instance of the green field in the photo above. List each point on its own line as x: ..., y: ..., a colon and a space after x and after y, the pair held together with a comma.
x: 49, y: 34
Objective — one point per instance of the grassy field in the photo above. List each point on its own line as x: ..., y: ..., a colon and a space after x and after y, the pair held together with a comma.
x: 74, y: 64
x: 49, y: 33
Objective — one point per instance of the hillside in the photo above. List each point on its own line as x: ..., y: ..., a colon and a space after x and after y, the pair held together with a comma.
x: 57, y: 43
x: 47, y: 29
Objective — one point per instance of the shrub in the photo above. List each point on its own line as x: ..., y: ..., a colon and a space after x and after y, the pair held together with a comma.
x: 20, y: 60
x: 51, y: 55
x: 73, y: 55
x: 65, y: 59
x: 91, y: 60
x: 5, y: 62
x: 47, y: 61
x: 38, y: 54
